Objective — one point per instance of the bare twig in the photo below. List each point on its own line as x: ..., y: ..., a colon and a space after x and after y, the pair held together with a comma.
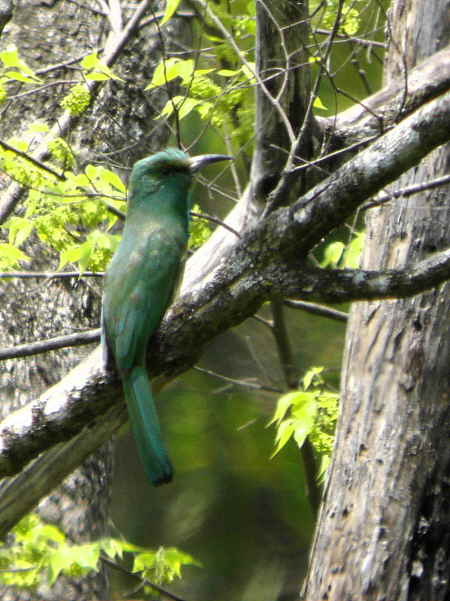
x: 350, y: 38
x: 217, y: 221
x: 316, y: 309
x: 408, y: 191
x: 43, y: 88
x: 50, y: 275
x: 51, y: 344
x: 34, y: 161
x: 243, y: 383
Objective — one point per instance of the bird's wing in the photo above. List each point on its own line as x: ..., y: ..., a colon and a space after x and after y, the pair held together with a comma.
x: 138, y: 289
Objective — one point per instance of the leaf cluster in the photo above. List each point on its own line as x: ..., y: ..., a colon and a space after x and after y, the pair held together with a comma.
x: 39, y: 553
x: 309, y: 412
x: 69, y: 215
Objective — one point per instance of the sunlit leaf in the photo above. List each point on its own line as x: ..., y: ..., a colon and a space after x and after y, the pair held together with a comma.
x: 311, y: 375
x: 171, y: 7
x: 304, y: 415
x: 11, y: 60
x: 353, y: 251
x: 318, y: 104
x: 284, y: 432
x: 19, y: 229
x: 96, y: 69
x: 283, y: 404
x: 333, y: 254
x: 113, y: 179
x: 144, y: 561
x: 10, y: 256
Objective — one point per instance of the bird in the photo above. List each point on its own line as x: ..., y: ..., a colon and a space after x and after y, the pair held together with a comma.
x: 140, y: 284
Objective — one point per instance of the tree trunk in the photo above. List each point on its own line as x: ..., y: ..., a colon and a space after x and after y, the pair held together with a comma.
x: 384, y: 527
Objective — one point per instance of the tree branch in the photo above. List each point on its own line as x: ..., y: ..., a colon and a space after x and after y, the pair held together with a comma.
x: 408, y: 191
x: 347, y: 285
x: 51, y: 344
x: 268, y: 260
x: 33, y: 161
x: 380, y: 111
x: 49, y: 275
x: 316, y: 309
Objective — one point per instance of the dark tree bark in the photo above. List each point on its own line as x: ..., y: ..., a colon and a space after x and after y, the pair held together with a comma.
x: 384, y: 527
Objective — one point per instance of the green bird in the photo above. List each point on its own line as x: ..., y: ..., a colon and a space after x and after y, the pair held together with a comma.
x: 140, y: 284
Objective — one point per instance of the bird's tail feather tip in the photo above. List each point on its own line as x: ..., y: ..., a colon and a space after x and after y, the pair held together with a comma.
x: 145, y: 427
x: 162, y: 478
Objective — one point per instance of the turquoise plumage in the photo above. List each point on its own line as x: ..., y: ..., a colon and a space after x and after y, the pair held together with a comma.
x: 140, y: 283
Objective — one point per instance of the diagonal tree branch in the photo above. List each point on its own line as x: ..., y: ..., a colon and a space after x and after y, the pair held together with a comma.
x: 268, y: 261
x: 380, y: 111
x: 51, y: 344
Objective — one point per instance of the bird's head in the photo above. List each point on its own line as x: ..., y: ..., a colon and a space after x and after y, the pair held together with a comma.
x: 152, y: 171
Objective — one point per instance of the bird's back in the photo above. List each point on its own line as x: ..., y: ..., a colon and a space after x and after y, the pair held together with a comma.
x: 140, y: 284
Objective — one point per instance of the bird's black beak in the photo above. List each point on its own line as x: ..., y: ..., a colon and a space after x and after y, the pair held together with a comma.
x: 202, y: 160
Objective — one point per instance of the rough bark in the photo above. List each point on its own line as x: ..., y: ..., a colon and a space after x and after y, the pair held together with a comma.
x: 384, y: 527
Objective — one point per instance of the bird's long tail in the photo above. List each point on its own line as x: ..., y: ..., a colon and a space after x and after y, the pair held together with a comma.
x: 145, y: 426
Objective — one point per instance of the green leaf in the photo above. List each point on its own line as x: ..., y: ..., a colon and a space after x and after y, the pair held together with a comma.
x: 77, y: 100
x: 169, y: 69
x: 97, y: 76
x: 175, y: 559
x: 10, y: 256
x: 113, y: 179
x: 75, y: 559
x: 144, y: 561
x: 249, y: 71
x: 90, y: 61
x: 18, y: 76
x: 19, y: 229
x: 283, y: 405
x: 96, y: 69
x: 11, y: 60
x: 171, y: 7
x: 112, y: 547
x: 180, y: 103
x: 353, y: 251
x: 76, y: 254
x: 228, y: 72
x: 312, y: 376
x: 303, y: 410
x: 333, y: 254
x: 304, y: 416
x: 318, y: 104
x: 284, y: 432
x: 48, y: 532
x: 38, y: 127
